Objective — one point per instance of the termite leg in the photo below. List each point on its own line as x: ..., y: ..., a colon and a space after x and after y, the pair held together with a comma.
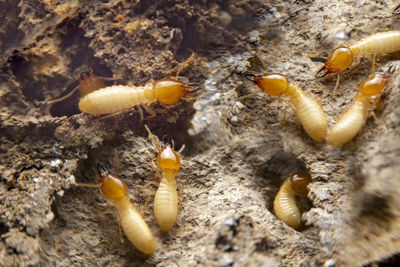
x: 119, y: 230
x: 150, y: 183
x: 111, y: 115
x: 148, y: 110
x: 181, y: 149
x: 336, y: 85
x: 63, y: 97
x: 283, y: 117
x: 355, y: 65
x: 373, y: 63
x: 141, y: 114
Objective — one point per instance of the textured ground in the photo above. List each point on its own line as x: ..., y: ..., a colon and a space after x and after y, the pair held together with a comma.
x: 237, y: 152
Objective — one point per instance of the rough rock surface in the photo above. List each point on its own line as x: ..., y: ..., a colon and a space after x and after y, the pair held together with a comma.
x: 237, y: 152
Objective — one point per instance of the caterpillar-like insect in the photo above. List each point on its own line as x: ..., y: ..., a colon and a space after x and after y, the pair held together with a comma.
x: 309, y: 112
x: 133, y: 224
x: 119, y: 98
x: 285, y: 203
x: 377, y: 44
x: 166, y: 198
x: 353, y: 119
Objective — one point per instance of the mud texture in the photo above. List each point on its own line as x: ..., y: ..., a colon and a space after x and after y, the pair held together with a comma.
x: 238, y: 152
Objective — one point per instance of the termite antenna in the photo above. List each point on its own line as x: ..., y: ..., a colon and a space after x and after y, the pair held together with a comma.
x: 102, y: 171
x: 251, y: 77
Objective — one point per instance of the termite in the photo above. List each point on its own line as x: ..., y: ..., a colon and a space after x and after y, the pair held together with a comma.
x: 119, y: 98
x: 342, y: 57
x: 133, y: 224
x: 309, y: 112
x: 166, y: 198
x: 88, y: 83
x: 377, y: 44
x: 353, y: 119
x: 285, y: 203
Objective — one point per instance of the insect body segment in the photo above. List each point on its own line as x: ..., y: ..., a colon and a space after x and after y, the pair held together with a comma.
x: 377, y: 44
x: 285, y: 203
x: 134, y: 226
x: 353, y: 119
x: 115, y: 98
x: 119, y: 97
x: 166, y: 199
x: 310, y: 113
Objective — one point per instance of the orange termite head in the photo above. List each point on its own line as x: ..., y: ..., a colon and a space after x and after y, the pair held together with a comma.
x: 274, y: 84
x: 169, y: 91
x: 113, y: 187
x: 340, y: 59
x: 375, y: 83
x: 396, y: 9
x: 300, y: 181
x: 167, y: 158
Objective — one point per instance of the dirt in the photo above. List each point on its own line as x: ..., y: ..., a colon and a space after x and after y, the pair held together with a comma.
x: 238, y: 151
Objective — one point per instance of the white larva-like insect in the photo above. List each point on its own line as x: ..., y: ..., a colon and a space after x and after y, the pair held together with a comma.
x: 285, y: 204
x: 309, y: 112
x: 119, y: 98
x: 353, y: 119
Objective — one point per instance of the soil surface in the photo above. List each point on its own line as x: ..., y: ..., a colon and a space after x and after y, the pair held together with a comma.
x: 237, y: 151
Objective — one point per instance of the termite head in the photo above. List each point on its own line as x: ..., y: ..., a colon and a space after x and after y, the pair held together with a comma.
x: 169, y: 91
x: 167, y: 158
x: 274, y: 84
x: 375, y: 83
x: 300, y: 181
x: 113, y: 187
x: 340, y: 59
x: 396, y: 10
x: 85, y: 75
x: 88, y: 82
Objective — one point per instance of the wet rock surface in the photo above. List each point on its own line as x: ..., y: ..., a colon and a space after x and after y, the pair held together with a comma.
x: 238, y: 152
